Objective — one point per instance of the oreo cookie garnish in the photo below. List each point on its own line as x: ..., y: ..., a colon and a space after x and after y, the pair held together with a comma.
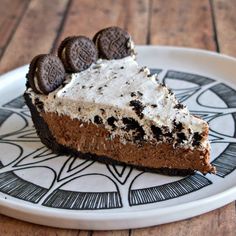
x: 77, y: 53
x: 137, y: 107
x: 113, y: 43
x: 46, y: 73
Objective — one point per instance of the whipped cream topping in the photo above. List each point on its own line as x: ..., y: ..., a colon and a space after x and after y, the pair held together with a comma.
x: 37, y: 85
x: 112, y: 90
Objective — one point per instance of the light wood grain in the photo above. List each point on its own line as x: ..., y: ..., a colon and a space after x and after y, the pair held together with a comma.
x: 10, y: 15
x: 225, y: 20
x: 182, y: 23
x: 84, y: 233
x: 87, y: 17
x: 137, y: 20
x: 35, y: 33
x: 219, y: 222
x: 111, y: 233
x: 12, y: 227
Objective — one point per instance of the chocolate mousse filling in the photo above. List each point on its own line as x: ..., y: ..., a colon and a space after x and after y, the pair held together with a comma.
x: 93, y: 141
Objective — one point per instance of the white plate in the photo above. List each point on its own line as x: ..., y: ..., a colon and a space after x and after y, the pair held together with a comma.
x: 41, y: 187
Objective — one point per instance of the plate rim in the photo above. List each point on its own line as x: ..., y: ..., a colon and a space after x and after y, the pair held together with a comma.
x: 216, y: 200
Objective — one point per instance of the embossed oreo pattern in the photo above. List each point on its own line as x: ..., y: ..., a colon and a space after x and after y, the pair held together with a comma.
x: 77, y: 53
x: 113, y: 43
x: 46, y: 73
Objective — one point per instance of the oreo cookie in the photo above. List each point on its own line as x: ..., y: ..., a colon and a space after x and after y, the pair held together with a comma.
x: 113, y: 43
x: 46, y: 73
x: 77, y: 53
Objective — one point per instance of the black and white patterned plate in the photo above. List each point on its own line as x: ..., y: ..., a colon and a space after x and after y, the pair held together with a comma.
x: 39, y: 186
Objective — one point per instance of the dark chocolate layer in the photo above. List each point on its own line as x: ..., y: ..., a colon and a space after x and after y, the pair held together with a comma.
x: 47, y: 138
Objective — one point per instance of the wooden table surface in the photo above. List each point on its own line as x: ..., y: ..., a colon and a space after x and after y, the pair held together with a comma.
x: 30, y: 27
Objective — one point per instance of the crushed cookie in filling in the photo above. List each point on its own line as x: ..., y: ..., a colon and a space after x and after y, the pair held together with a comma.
x: 137, y: 107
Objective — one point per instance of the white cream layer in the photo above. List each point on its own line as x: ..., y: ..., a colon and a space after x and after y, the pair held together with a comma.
x: 106, y: 89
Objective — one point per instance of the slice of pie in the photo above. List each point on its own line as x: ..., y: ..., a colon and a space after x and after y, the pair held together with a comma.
x: 114, y: 111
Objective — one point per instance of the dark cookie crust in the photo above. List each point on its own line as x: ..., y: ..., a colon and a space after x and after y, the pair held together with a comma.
x: 49, y: 72
x: 113, y: 43
x: 48, y: 139
x: 77, y: 53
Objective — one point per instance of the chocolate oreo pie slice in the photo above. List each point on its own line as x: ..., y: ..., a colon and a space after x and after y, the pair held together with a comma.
x: 113, y: 43
x: 77, y: 53
x: 46, y: 73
